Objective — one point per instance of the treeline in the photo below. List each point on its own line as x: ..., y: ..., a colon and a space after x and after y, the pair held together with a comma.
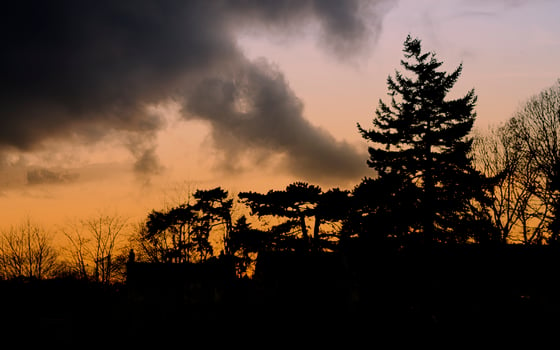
x: 91, y: 250
x: 434, y: 183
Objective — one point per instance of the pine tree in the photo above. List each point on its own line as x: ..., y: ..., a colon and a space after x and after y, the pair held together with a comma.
x: 422, y: 138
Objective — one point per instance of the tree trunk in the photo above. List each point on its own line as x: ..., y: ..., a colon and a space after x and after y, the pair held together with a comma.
x: 304, y: 233
x: 428, y: 206
x: 316, y: 240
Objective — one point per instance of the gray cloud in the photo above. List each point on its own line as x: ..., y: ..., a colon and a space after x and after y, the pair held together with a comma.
x: 84, y: 70
x: 255, y: 110
x: 148, y: 162
x: 49, y: 176
x: 143, y: 148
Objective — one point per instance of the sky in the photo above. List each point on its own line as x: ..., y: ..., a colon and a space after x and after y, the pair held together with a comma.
x: 124, y: 107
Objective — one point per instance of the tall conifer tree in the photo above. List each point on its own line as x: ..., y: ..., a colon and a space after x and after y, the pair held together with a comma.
x: 422, y: 138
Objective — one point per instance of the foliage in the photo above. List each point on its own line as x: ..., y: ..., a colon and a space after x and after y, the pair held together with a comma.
x: 182, y: 233
x: 295, y: 207
x: 377, y: 210
x: 421, y: 139
x: 245, y: 242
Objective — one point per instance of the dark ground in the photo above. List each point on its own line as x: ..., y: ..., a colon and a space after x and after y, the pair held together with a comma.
x: 451, y: 297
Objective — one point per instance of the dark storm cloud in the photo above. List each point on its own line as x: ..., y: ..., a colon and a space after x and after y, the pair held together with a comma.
x: 88, y: 68
x: 85, y: 69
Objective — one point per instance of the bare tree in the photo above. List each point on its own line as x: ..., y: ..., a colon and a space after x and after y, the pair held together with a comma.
x: 537, y: 126
x: 500, y: 155
x: 523, y: 158
x: 27, y: 250
x: 97, y: 246
x: 78, y: 250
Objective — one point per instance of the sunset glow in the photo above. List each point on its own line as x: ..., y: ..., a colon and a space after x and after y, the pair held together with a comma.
x: 128, y: 136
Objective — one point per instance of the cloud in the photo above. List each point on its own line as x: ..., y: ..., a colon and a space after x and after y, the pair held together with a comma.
x: 255, y: 110
x: 143, y: 148
x: 148, y: 162
x: 80, y: 71
x: 41, y: 176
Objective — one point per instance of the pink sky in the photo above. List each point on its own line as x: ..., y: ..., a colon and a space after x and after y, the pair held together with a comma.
x: 510, y: 50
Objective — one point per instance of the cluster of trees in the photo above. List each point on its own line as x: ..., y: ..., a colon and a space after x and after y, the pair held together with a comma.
x: 522, y: 155
x: 182, y: 233
x: 433, y: 182
x: 26, y: 250
x: 95, y: 250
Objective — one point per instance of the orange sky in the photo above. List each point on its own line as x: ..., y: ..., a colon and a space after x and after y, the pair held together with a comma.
x: 510, y: 50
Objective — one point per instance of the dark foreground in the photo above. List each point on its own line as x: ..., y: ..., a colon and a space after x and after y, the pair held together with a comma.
x: 458, y: 296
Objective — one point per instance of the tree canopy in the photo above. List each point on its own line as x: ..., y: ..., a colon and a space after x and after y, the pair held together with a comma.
x: 295, y: 207
x: 421, y: 139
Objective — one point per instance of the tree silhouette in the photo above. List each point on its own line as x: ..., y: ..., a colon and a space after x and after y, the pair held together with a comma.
x: 516, y: 208
x: 169, y: 232
x: 298, y: 205
x: 27, y: 250
x: 537, y: 125
x: 182, y: 233
x: 96, y: 247
x: 214, y: 209
x: 293, y: 204
x: 244, y: 243
x: 376, y: 214
x: 332, y: 208
x: 422, y: 138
